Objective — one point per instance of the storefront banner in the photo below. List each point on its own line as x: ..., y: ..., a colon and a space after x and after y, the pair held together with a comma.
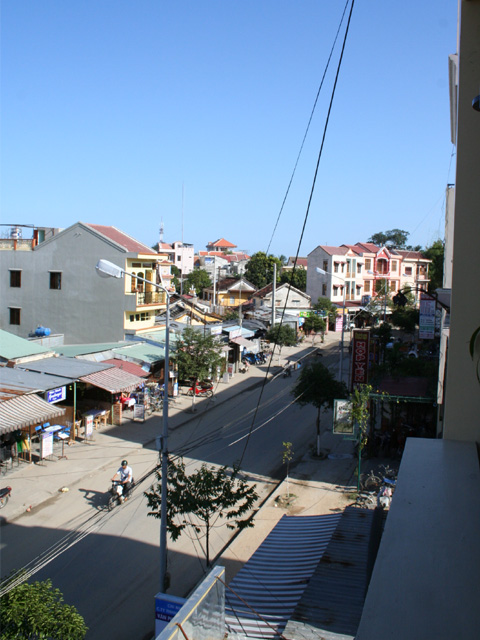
x: 56, y: 395
x: 360, y: 354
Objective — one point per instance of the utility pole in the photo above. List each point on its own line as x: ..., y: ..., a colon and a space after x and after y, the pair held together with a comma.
x: 274, y: 290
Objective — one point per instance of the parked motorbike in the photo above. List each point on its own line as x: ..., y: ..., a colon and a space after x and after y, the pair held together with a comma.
x: 204, y: 389
x: 116, y: 494
x: 287, y: 372
x: 4, y: 496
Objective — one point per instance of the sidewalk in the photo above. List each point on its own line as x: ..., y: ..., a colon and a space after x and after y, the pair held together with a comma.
x: 34, y: 484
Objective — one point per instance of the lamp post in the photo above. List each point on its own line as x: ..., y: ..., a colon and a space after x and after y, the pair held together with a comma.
x: 108, y: 269
x: 327, y: 273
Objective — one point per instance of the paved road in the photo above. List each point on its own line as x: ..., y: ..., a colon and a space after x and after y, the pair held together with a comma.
x: 111, y: 575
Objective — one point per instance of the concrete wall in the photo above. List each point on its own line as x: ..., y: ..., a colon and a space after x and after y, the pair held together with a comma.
x: 462, y: 394
x: 86, y: 309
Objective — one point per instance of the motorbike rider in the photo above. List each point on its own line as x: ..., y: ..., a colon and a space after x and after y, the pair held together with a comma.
x: 125, y: 475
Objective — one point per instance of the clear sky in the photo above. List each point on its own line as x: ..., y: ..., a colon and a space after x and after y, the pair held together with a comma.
x: 192, y: 112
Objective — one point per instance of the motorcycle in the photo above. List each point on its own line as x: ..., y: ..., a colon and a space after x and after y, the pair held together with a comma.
x: 204, y: 389
x: 4, y: 496
x: 116, y: 494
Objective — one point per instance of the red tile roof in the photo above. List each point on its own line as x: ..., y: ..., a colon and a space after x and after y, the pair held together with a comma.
x: 128, y: 243
x: 129, y: 367
x: 222, y: 243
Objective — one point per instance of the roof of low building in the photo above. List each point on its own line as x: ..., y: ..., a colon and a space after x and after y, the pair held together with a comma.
x: 225, y: 244
x: 13, y: 347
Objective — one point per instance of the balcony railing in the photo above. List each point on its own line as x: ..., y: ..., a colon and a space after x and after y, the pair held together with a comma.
x: 151, y: 297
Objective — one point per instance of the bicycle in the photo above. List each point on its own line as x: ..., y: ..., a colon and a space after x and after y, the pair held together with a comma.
x: 365, y: 500
x: 370, y: 482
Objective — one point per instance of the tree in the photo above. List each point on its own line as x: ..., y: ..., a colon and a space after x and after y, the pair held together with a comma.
x: 283, y: 335
x: 197, y: 355
x: 36, y: 610
x: 393, y: 239
x: 176, y: 278
x: 259, y: 270
x: 436, y: 253
x: 199, y: 279
x: 360, y: 415
x: 405, y: 318
x: 318, y: 386
x: 296, y: 277
x: 314, y: 324
x: 287, y: 457
x: 208, y: 494
x: 327, y: 308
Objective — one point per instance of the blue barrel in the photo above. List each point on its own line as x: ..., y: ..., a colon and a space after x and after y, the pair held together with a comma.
x: 41, y: 332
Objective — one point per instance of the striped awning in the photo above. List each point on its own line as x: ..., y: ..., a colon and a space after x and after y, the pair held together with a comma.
x: 25, y: 411
x: 113, y: 380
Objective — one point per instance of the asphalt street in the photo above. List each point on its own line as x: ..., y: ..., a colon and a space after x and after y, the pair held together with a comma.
x: 106, y: 564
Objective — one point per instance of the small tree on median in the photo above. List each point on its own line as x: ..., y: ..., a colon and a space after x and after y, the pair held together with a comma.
x: 37, y: 610
x: 282, y: 335
x: 208, y: 494
x: 318, y: 386
x: 314, y: 324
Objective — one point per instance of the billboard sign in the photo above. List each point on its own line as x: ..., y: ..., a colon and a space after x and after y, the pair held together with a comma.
x: 360, y: 355
x: 56, y: 395
x: 427, y: 318
x: 342, y: 421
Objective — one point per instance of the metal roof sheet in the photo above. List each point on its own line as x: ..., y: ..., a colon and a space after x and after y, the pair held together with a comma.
x: 18, y: 381
x: 73, y: 350
x: 129, y: 367
x: 113, y: 380
x: 71, y: 368
x: 26, y: 410
x: 12, y: 347
x: 273, y: 580
x: 142, y: 351
x: 332, y: 604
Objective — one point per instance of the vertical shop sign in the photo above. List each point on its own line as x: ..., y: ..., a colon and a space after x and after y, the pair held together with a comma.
x: 427, y: 318
x: 360, y: 353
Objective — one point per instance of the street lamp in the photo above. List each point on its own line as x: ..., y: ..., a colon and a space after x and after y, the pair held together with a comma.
x: 107, y: 269
x: 327, y: 273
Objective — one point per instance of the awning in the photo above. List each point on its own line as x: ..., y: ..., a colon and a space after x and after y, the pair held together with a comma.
x: 113, y: 380
x: 25, y: 411
x: 242, y: 342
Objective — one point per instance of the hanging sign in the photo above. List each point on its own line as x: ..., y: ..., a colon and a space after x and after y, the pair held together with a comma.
x: 56, y: 395
x: 360, y: 354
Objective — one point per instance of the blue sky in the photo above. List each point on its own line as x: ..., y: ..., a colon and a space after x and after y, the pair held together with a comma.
x: 192, y: 112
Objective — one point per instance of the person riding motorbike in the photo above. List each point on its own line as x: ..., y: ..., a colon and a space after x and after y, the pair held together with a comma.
x: 125, y: 475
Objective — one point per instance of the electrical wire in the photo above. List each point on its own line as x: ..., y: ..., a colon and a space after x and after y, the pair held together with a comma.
x: 308, y: 127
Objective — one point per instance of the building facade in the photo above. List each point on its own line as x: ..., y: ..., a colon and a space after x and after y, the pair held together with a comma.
x: 53, y: 284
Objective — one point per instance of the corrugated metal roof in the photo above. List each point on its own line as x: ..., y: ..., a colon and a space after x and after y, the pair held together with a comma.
x: 273, y: 580
x: 129, y: 367
x: 332, y: 604
x: 70, y: 368
x: 73, y: 350
x: 12, y: 347
x: 143, y: 351
x: 18, y: 381
x: 114, y: 380
x: 25, y: 411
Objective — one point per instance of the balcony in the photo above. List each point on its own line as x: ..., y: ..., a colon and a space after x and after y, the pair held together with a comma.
x: 150, y: 297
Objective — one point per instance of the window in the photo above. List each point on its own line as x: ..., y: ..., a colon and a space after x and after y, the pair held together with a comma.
x: 15, y: 278
x: 132, y: 318
x: 324, y: 289
x: 232, y: 300
x: 408, y: 271
x: 335, y: 267
x: 335, y: 290
x: 14, y: 315
x: 55, y: 280
x: 394, y: 265
x: 325, y: 265
x: 359, y: 268
x: 368, y: 264
x: 393, y: 285
x: 366, y: 286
